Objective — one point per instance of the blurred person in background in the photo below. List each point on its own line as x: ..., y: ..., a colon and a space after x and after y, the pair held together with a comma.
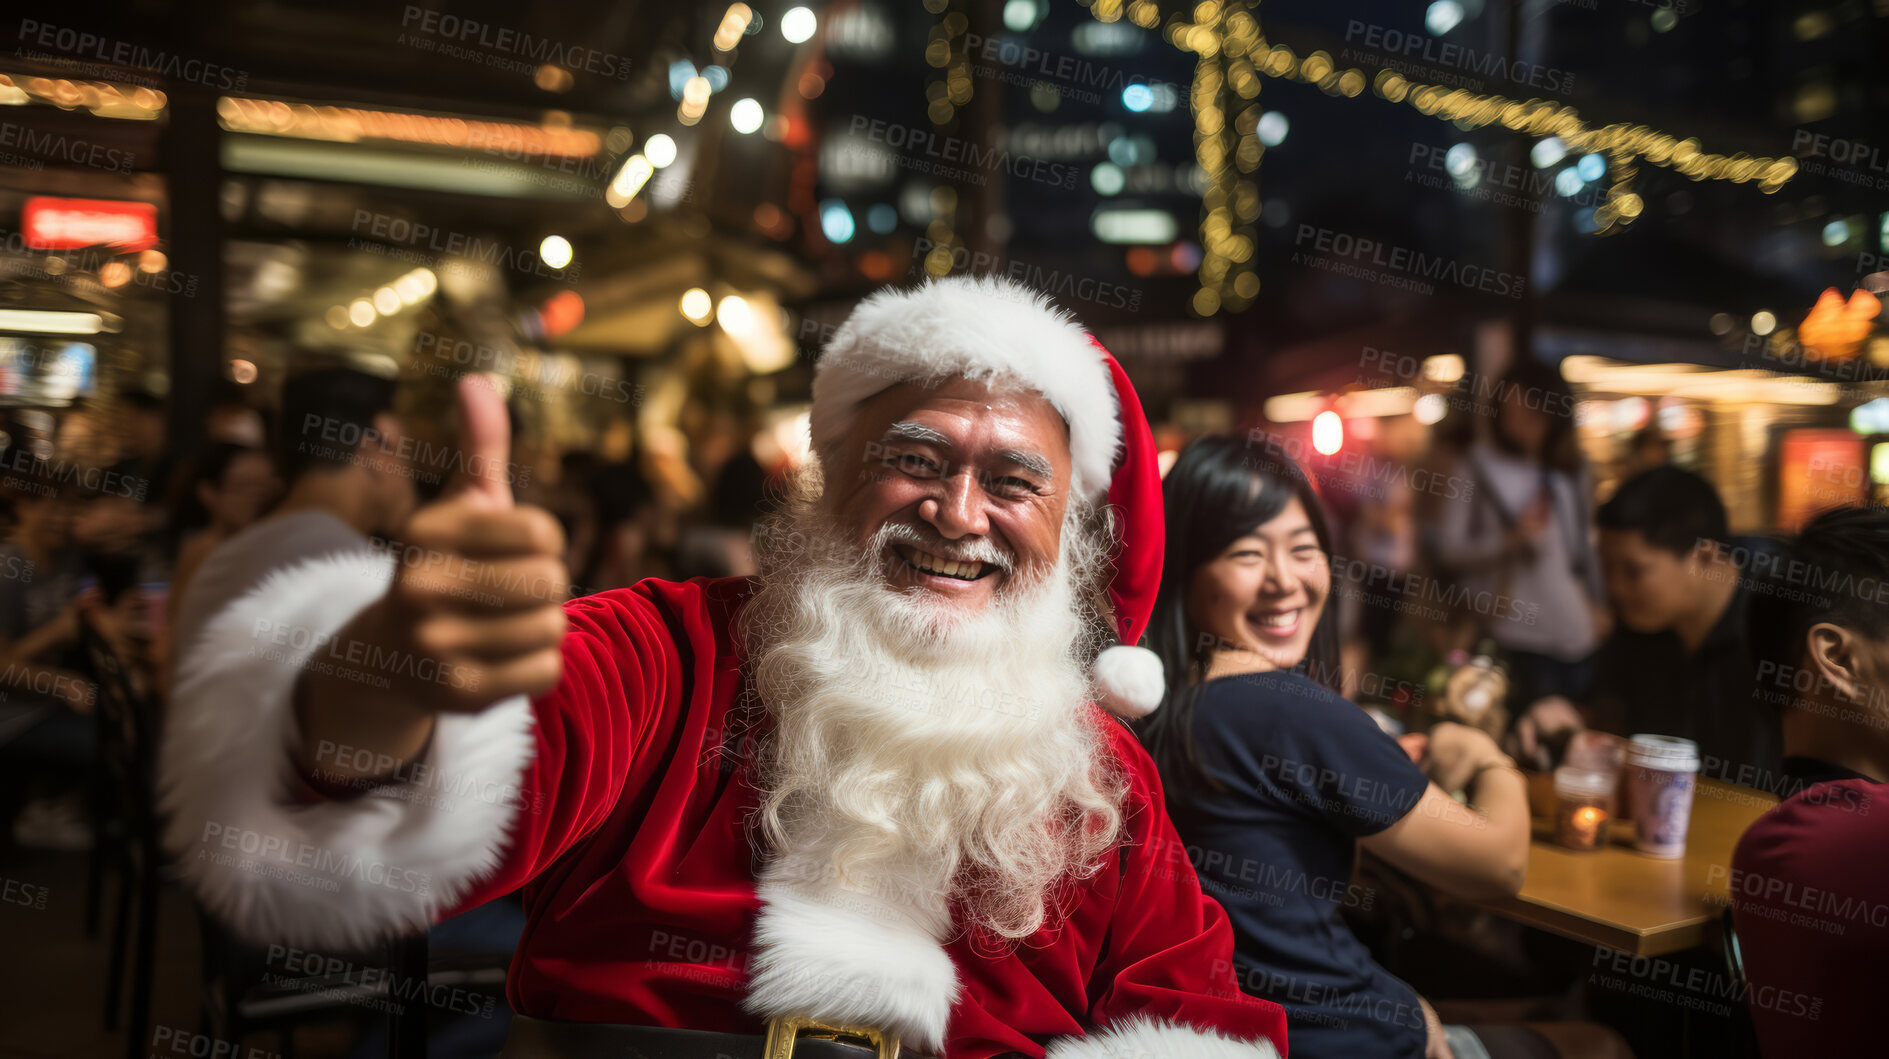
x: 229, y: 487
x: 1522, y: 534
x: 573, y: 501
x: 120, y: 531
x: 628, y: 544
x: 338, y: 446
x: 1649, y: 448
x: 1383, y: 528
x: 1679, y: 662
x: 718, y: 541
x: 142, y: 442
x: 1265, y: 764
x: 1809, y: 884
x: 47, y: 740
x: 229, y: 418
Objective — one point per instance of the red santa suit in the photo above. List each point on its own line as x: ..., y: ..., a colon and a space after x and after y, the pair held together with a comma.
x: 619, y: 804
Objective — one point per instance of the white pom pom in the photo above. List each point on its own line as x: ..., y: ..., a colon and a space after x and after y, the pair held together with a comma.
x: 1129, y: 681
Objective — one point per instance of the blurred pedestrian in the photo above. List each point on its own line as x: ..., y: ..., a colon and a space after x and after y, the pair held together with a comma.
x: 1520, y: 539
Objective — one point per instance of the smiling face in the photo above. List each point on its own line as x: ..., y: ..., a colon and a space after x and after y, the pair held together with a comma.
x: 962, y: 490
x: 1264, y: 593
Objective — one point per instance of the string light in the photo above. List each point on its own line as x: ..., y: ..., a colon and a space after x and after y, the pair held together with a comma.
x: 1228, y: 144
x: 733, y: 25
x: 945, y: 49
x: 1234, y: 55
x: 104, y: 99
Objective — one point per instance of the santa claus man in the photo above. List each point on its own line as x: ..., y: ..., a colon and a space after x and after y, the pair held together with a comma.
x: 859, y: 802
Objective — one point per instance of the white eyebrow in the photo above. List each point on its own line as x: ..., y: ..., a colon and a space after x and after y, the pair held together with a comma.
x: 906, y: 430
x: 910, y: 431
x: 1030, y: 462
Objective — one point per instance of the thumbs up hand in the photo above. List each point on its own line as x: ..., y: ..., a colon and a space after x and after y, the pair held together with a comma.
x: 478, y: 599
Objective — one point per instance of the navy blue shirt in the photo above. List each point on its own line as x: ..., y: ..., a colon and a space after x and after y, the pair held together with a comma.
x: 1305, y: 774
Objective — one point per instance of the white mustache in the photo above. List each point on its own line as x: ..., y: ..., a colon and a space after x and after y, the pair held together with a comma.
x: 974, y: 550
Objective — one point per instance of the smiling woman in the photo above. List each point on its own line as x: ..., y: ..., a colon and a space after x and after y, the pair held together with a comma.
x: 1236, y: 512
x: 1267, y: 767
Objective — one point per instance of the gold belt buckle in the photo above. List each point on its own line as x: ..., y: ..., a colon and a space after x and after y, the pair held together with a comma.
x: 784, y: 1033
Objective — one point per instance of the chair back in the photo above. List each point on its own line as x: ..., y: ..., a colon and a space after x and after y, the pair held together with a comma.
x: 126, y: 718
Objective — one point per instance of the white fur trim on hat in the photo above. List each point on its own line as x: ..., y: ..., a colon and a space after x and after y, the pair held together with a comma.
x: 867, y: 964
x: 341, y: 873
x: 988, y: 329
x: 1129, y: 681
x: 1139, y: 1038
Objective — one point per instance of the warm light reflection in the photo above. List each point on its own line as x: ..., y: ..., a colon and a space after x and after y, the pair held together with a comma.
x: 555, y: 251
x: 1328, y: 433
x: 733, y: 25
x: 274, y: 117
x: 697, y: 306
x: 629, y: 180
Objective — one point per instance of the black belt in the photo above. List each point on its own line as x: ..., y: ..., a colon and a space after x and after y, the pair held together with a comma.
x: 540, y: 1039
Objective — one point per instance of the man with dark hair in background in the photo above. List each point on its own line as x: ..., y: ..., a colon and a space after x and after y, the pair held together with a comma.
x: 1809, y: 885
x: 1679, y: 662
x: 339, y: 447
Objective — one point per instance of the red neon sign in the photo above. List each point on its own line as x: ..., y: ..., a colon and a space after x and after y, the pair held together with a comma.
x: 71, y: 224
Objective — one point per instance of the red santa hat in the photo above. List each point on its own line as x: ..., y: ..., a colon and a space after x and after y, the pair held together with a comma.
x: 992, y: 329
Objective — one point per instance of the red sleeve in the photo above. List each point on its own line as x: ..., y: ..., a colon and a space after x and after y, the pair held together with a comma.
x: 1170, y: 950
x: 621, y: 664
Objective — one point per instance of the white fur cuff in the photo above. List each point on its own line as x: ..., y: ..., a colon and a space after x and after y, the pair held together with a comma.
x: 336, y: 873
x: 1150, y: 1039
x: 850, y: 966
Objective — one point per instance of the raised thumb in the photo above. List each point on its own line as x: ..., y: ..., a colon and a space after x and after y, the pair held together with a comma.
x: 485, y: 443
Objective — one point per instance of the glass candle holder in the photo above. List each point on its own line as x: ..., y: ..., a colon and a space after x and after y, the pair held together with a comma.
x: 1583, y: 805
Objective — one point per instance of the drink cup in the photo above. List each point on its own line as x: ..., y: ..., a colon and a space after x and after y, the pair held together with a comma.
x: 1661, y: 774
x: 1595, y: 752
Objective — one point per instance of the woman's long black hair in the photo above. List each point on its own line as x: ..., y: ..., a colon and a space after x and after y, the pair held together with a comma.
x: 1219, y: 490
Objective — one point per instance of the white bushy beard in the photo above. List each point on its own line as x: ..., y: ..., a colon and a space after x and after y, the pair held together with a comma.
x: 921, y: 760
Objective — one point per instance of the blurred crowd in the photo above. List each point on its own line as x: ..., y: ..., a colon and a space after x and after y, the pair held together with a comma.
x: 1474, y: 586
x: 104, y: 523
x: 1473, y: 540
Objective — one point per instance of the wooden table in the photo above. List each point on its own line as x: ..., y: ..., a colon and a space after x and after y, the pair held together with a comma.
x: 1629, y: 901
